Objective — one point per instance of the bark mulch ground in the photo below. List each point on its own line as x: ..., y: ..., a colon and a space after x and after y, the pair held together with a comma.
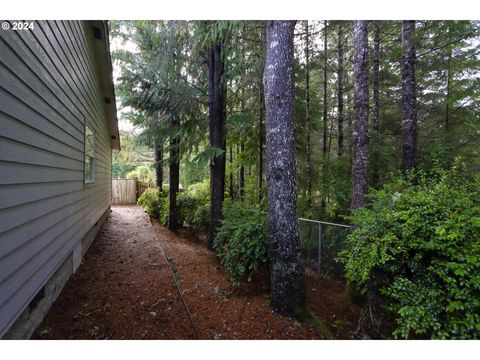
x: 126, y: 289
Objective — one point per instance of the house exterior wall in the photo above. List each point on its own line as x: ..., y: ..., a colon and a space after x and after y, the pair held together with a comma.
x: 50, y: 89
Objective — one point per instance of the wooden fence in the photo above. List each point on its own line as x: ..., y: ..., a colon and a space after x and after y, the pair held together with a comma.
x: 141, y: 187
x: 127, y: 191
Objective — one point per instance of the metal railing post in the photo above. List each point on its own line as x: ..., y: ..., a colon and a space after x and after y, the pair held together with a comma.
x: 307, y: 243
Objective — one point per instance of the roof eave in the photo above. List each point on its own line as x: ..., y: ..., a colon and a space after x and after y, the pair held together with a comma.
x: 105, y: 73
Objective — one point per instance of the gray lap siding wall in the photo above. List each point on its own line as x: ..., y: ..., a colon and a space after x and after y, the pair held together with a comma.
x: 49, y: 91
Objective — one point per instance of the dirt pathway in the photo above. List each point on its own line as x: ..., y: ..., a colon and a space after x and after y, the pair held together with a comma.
x: 219, y: 313
x: 125, y: 289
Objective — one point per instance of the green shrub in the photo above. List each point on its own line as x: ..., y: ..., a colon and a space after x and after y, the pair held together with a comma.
x: 151, y: 201
x: 201, y: 218
x: 143, y: 173
x: 419, y: 245
x: 155, y: 203
x: 187, y: 206
x: 191, y: 205
x: 195, y: 205
x: 241, y: 241
x: 163, y: 211
x: 200, y: 191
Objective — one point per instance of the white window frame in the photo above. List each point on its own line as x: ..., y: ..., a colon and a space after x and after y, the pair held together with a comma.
x: 91, y: 179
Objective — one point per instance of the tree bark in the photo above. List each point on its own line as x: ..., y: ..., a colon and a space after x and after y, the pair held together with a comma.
x: 260, y: 145
x: 409, y: 123
x: 376, y: 101
x: 216, y: 113
x: 325, y: 106
x: 307, y: 116
x: 325, y: 111
x: 286, y: 271
x: 350, y: 116
x: 261, y: 115
x: 158, y: 152
x: 242, y: 173
x: 230, y: 160
x: 449, y: 83
x: 174, y: 178
x: 340, y: 89
x: 360, y: 132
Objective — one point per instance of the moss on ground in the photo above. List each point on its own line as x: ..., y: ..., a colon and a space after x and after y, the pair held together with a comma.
x: 306, y: 315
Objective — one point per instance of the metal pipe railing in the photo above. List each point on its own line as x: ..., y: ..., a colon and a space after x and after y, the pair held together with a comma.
x: 320, y: 235
x: 325, y: 222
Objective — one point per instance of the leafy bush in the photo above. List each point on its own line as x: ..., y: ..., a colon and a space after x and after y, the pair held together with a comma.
x: 143, y: 173
x: 201, y: 218
x: 191, y: 205
x: 241, y: 241
x: 152, y: 200
x: 163, y: 210
x: 194, y: 206
x: 200, y: 191
x: 187, y: 206
x: 419, y: 245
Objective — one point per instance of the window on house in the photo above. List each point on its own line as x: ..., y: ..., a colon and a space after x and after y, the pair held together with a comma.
x: 89, y: 155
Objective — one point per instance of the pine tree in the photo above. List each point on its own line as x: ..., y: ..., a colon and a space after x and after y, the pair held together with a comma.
x: 340, y: 88
x: 307, y: 116
x: 174, y: 177
x: 216, y: 113
x: 376, y: 101
x: 286, y: 270
x: 409, y: 123
x: 360, y: 134
x: 158, y: 154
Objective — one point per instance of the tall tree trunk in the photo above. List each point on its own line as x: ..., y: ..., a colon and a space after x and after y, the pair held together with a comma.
x: 242, y: 173
x: 340, y: 88
x: 260, y: 144
x: 330, y: 133
x: 325, y: 105
x: 286, y: 271
x: 230, y: 160
x: 261, y: 115
x: 158, y: 152
x: 360, y: 133
x: 350, y: 115
x: 216, y: 114
x: 376, y: 102
x: 307, y: 116
x: 409, y: 123
x: 174, y: 178
x: 241, y: 179
x: 325, y: 112
x: 449, y: 82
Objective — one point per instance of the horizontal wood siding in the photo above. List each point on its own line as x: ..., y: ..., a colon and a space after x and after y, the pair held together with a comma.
x: 49, y: 91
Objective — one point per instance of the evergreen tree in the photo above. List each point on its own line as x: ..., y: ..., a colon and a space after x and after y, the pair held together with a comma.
x: 216, y: 113
x: 409, y: 123
x: 360, y: 150
x: 286, y: 270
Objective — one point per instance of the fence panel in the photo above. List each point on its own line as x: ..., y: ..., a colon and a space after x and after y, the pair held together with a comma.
x: 321, y: 242
x: 141, y: 187
x: 124, y: 191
